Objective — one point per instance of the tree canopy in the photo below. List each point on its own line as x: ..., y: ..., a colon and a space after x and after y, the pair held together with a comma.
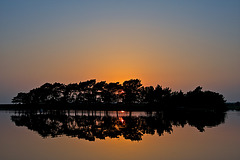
x: 130, y: 92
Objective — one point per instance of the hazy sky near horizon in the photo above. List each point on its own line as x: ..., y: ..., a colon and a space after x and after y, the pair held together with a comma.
x: 177, y: 44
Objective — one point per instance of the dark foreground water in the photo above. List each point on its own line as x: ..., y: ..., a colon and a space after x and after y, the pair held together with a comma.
x: 119, y: 135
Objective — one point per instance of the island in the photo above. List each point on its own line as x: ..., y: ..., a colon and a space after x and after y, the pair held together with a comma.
x: 131, y: 94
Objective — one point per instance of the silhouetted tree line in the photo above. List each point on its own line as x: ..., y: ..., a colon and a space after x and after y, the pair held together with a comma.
x: 56, y: 123
x: 130, y: 92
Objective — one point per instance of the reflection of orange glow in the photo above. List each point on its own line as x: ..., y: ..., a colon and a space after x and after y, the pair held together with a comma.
x: 122, y: 111
x: 121, y: 119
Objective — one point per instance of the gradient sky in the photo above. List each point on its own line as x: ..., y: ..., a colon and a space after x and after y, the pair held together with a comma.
x: 177, y: 44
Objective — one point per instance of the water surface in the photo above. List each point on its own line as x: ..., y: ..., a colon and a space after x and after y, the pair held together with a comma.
x: 119, y: 135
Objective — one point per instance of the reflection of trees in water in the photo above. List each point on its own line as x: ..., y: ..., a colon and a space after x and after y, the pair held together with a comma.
x: 90, y: 127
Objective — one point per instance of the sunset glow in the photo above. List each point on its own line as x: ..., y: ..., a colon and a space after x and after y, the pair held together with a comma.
x: 175, y: 44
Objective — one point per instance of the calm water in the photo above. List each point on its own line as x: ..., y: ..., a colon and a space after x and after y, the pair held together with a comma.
x: 119, y: 135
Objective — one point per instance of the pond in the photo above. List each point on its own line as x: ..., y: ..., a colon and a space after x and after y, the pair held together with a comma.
x: 83, y: 134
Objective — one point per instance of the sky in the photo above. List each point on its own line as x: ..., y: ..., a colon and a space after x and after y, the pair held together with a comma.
x: 177, y: 44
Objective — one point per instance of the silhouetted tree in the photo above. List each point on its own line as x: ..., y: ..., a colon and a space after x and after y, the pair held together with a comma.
x: 158, y: 94
x: 99, y: 89
x: 207, y: 99
x: 149, y: 97
x: 130, y: 92
x: 131, y: 89
x: 21, y: 98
